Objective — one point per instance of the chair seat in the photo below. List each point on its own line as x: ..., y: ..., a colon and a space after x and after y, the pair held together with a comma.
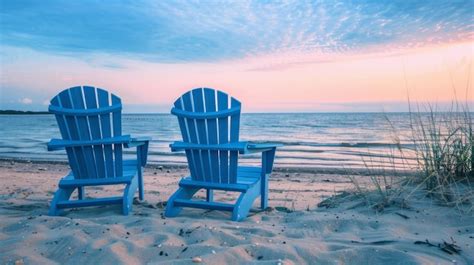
x: 129, y: 172
x: 246, y: 178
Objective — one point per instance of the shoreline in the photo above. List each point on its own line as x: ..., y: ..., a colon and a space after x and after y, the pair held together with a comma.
x: 279, y: 169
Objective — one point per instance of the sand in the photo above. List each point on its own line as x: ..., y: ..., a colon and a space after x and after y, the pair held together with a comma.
x: 293, y: 231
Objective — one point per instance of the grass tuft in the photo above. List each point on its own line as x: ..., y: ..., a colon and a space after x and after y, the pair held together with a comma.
x: 443, y: 150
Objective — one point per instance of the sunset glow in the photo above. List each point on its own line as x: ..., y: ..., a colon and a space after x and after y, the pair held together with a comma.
x: 291, y: 57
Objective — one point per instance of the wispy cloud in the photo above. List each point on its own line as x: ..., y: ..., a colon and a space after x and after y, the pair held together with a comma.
x: 26, y: 101
x: 192, y: 31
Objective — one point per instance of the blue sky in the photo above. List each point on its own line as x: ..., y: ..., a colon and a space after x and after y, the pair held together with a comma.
x: 119, y: 35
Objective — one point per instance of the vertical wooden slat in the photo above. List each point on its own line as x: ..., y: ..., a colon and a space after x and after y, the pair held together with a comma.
x: 83, y: 131
x: 223, y: 104
x: 71, y: 156
x: 117, y: 125
x: 210, y: 99
x: 184, y: 132
x: 103, y: 97
x: 234, y: 137
x: 187, y: 104
x: 198, y: 99
x: 71, y: 126
x: 91, y: 103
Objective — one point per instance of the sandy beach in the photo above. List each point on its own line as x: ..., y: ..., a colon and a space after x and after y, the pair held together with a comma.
x: 293, y: 231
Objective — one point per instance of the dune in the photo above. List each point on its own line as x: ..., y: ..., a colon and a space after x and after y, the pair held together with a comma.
x: 293, y: 231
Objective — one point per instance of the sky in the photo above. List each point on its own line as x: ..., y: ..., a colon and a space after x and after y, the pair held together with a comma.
x: 274, y: 56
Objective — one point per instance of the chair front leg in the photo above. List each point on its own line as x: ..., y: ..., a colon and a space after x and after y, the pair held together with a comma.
x: 142, y: 154
x: 268, y: 157
x: 264, y: 192
x: 141, y: 192
x: 80, y: 193
x: 209, y: 195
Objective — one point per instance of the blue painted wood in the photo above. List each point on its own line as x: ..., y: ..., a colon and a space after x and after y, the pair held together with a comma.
x: 201, y: 129
x: 193, y: 138
x: 223, y: 124
x: 141, y: 144
x: 103, y: 97
x: 71, y: 155
x: 127, y: 200
x: 268, y: 157
x: 212, y: 133
x: 117, y: 126
x: 211, y: 124
x: 59, y: 196
x: 93, y: 141
x: 138, y: 141
x: 184, y: 132
x: 57, y: 144
x: 91, y: 104
x: 141, y: 191
x: 204, y: 205
x: 71, y: 183
x: 209, y: 195
x: 267, y: 165
x: 84, y: 112
x: 234, y: 137
x: 89, y: 202
x: 83, y: 131
x: 80, y: 193
x: 241, y: 187
x: 262, y: 147
x: 239, y: 147
x: 245, y: 201
x: 71, y: 127
x: 207, y: 115
x: 182, y: 193
x: 210, y: 130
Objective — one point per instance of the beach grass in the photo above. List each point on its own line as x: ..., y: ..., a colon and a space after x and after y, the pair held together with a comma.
x: 443, y: 148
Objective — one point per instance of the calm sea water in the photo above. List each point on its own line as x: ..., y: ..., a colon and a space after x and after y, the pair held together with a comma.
x: 321, y: 140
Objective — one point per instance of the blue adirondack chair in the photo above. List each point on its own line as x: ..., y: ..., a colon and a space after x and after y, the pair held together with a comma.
x: 89, y: 120
x: 210, y: 131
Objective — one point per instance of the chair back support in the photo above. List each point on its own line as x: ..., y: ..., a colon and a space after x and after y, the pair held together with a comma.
x: 208, y: 116
x: 89, y: 113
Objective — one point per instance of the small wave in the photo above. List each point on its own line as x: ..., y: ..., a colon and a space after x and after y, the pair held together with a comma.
x: 342, y: 144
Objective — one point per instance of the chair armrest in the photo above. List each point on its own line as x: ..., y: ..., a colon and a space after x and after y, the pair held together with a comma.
x: 260, y: 148
x: 268, y: 151
x: 182, y: 146
x: 57, y: 144
x: 141, y: 143
x: 138, y: 141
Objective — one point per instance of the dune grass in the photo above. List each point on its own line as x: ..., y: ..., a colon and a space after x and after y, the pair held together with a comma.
x: 443, y: 148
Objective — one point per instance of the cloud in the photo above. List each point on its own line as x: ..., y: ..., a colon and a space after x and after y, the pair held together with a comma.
x: 187, y: 31
x: 26, y: 101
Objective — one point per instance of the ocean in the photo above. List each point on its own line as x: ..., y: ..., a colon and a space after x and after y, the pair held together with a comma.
x: 313, y: 140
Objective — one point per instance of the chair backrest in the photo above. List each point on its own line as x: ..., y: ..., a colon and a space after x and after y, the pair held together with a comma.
x: 88, y: 113
x: 208, y: 116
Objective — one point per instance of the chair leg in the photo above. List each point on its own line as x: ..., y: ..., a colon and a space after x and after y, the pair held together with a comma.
x: 181, y: 193
x: 80, y: 193
x: 244, y: 203
x: 141, y: 192
x: 60, y: 195
x: 128, y: 195
x: 264, y: 192
x: 209, y: 195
